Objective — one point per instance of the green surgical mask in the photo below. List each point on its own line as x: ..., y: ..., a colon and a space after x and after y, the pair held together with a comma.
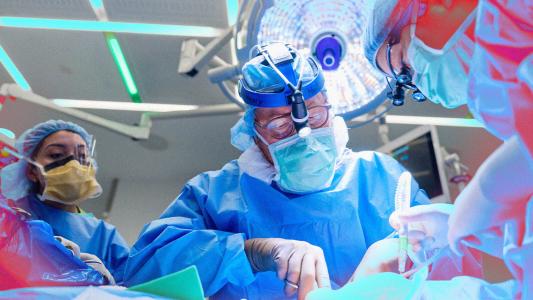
x: 305, y: 165
x: 442, y: 74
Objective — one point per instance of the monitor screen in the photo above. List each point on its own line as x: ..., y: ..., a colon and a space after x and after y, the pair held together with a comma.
x: 418, y: 157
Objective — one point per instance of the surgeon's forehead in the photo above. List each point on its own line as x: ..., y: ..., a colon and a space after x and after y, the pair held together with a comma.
x: 63, y: 138
x: 264, y: 113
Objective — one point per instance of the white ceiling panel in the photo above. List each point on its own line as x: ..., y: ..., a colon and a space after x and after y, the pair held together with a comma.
x: 181, y: 12
x: 154, y: 63
x: 58, y: 9
x: 65, y: 64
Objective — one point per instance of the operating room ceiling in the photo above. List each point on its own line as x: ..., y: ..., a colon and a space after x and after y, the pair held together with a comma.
x: 78, y: 65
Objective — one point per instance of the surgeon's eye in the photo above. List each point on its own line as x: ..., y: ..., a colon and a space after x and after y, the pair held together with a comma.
x: 83, y: 160
x: 280, y: 128
x: 56, y: 156
x: 318, y: 116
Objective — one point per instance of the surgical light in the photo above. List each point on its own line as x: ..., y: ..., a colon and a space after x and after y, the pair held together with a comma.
x: 13, y: 71
x: 123, y: 68
x: 116, y: 51
x: 117, y: 27
x: 436, y: 121
x: 329, y: 30
x: 123, y: 106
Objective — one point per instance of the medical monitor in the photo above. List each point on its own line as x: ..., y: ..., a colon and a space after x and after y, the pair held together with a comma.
x: 419, y: 152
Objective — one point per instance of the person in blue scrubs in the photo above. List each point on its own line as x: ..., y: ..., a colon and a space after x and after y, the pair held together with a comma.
x: 478, y: 53
x: 55, y: 173
x: 295, y: 210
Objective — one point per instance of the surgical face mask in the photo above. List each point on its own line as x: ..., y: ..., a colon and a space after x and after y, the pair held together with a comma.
x: 442, y: 75
x: 306, y: 165
x: 69, y: 182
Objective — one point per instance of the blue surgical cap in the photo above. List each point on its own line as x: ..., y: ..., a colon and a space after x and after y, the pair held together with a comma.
x: 383, y: 17
x: 15, y: 183
x: 262, y: 78
x: 242, y: 133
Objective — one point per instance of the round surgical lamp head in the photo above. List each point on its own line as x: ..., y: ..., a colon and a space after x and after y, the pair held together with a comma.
x: 329, y: 30
x: 329, y: 49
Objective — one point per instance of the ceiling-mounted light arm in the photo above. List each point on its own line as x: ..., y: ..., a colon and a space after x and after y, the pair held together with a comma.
x: 194, y: 56
x: 208, y: 110
x: 216, y: 61
x: 231, y: 94
x: 137, y: 132
x: 222, y: 73
x: 248, y: 20
x: 225, y: 78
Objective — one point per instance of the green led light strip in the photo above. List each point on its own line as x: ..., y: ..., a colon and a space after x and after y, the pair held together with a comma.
x: 123, y: 68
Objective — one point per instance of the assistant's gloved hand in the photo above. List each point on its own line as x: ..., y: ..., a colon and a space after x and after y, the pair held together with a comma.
x: 380, y: 257
x: 91, y: 260
x: 300, y: 264
x: 428, y: 225
x: 94, y: 262
x: 69, y: 245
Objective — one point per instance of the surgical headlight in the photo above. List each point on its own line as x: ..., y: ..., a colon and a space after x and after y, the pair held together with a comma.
x: 403, y: 82
x: 280, y: 58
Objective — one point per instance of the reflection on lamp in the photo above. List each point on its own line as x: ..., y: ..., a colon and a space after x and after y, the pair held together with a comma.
x: 330, y: 30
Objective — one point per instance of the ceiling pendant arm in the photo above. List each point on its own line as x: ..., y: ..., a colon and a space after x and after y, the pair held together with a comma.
x: 136, y: 132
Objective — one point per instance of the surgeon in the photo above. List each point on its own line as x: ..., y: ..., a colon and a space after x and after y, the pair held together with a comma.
x: 54, y: 175
x: 478, y: 53
x: 297, y: 210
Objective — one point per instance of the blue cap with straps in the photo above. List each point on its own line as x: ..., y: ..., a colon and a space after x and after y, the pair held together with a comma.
x: 283, y: 58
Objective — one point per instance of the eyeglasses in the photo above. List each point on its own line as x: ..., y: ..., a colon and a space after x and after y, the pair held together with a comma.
x: 403, y: 83
x: 63, y: 153
x: 282, y: 127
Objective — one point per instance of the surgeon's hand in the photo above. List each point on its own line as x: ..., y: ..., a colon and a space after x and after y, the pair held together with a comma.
x: 382, y: 256
x: 428, y: 225
x: 73, y: 247
x: 94, y: 262
x: 301, y: 265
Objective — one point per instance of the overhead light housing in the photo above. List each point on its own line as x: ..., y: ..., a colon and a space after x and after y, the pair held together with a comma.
x: 329, y: 30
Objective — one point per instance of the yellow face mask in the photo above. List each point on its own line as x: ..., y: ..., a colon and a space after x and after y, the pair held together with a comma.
x: 71, y: 183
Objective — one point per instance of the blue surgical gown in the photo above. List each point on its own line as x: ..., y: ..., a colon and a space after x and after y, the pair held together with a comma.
x: 94, y: 236
x: 80, y: 292
x: 217, y: 211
